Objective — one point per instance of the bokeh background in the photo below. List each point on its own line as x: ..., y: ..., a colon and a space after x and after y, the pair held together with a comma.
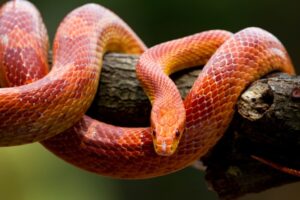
x: 29, y: 172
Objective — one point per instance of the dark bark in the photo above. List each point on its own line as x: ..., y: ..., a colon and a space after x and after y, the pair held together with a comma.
x: 120, y: 99
x: 267, y: 125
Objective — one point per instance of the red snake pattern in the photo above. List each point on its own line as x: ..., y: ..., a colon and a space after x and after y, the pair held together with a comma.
x: 181, y: 132
x: 44, y: 108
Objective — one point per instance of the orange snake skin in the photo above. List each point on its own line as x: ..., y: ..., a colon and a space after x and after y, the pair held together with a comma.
x: 181, y: 132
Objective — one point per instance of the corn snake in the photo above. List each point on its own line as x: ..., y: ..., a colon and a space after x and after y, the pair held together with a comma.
x: 128, y: 152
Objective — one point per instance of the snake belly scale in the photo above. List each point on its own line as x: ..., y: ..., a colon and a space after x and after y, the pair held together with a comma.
x: 232, y: 61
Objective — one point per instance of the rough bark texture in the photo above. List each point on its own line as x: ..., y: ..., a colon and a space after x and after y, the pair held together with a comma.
x: 267, y: 124
x: 120, y: 99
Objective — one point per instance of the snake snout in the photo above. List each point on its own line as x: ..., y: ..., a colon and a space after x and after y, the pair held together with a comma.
x: 164, y: 149
x: 165, y: 145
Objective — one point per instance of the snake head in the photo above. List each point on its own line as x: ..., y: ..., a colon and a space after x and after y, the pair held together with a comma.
x: 166, y: 146
x: 167, y: 128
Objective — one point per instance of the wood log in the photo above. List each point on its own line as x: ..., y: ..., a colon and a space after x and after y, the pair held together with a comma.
x: 267, y: 125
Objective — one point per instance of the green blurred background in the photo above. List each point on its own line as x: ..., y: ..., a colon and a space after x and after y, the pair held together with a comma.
x: 31, y: 173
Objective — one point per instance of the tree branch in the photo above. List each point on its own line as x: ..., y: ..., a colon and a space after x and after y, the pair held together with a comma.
x: 266, y: 125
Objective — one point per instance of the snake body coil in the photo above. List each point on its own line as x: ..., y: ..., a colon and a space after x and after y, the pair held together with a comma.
x: 44, y: 108
x: 55, y: 102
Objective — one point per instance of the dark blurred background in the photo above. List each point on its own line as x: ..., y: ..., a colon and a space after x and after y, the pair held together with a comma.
x: 31, y: 173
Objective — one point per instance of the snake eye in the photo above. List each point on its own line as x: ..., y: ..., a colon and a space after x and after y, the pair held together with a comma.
x: 154, y: 133
x: 177, y: 133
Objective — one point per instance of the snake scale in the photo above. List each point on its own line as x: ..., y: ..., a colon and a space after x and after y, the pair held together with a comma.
x: 50, y: 106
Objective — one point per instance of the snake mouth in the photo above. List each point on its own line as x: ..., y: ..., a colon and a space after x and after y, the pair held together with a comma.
x: 166, y: 144
x: 165, y: 148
